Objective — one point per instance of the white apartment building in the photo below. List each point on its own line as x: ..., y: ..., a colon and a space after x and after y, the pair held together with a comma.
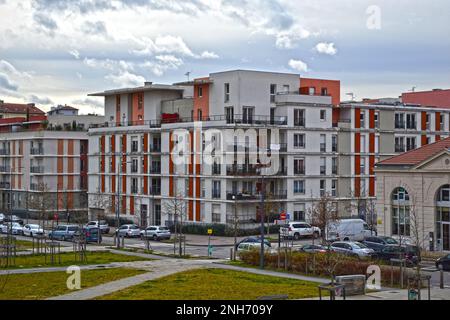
x: 139, y: 135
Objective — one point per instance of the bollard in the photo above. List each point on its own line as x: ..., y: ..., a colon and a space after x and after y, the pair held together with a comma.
x: 122, y: 242
x: 231, y: 254
x: 441, y: 270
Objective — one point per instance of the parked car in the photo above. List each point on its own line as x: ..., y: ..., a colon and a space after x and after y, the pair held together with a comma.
x: 410, y: 253
x: 104, y: 227
x: 443, y: 263
x: 17, y: 229
x: 256, y: 240
x: 91, y: 234
x: 348, y: 230
x: 313, y: 248
x: 64, y: 232
x: 354, y: 249
x: 13, y: 218
x: 32, y: 230
x: 2, y: 218
x: 129, y: 231
x: 156, y: 233
x: 248, y: 246
x: 378, y: 243
x: 299, y: 230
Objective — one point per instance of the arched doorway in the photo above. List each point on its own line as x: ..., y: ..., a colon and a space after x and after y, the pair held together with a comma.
x: 443, y: 218
x: 400, y: 203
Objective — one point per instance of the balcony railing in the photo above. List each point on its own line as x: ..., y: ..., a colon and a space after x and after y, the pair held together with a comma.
x: 216, y: 194
x: 323, y: 170
x: 155, y: 170
x: 37, y: 169
x: 323, y: 147
x: 37, y: 151
x: 155, y: 148
x: 244, y: 196
x: 399, y: 124
x: 34, y: 187
x: 5, y: 169
x: 155, y: 191
x: 5, y: 185
x: 216, y: 169
x: 334, y: 169
x: 244, y: 170
x: 299, y: 170
x: 299, y: 122
x: 5, y: 152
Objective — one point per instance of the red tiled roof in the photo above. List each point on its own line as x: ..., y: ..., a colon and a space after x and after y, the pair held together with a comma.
x: 20, y: 108
x: 415, y: 157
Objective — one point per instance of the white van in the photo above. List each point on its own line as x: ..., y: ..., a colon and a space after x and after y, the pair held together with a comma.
x: 348, y: 230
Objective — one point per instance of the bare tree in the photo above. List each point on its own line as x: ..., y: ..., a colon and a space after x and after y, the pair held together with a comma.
x: 366, y: 208
x: 271, y: 208
x: 324, y: 214
x: 176, y: 207
x: 101, y: 203
x: 42, y: 202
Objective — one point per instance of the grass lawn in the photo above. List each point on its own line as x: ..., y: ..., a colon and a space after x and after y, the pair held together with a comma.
x: 23, y: 245
x: 44, y: 285
x: 216, y: 284
x: 68, y: 259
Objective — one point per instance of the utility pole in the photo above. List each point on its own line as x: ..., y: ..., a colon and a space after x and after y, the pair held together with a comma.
x: 235, y: 226
x: 119, y: 169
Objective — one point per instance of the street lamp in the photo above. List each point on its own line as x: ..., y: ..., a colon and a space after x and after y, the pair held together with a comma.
x: 235, y: 226
x: 259, y: 168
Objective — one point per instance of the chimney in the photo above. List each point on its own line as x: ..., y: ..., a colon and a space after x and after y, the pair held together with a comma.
x: 148, y: 83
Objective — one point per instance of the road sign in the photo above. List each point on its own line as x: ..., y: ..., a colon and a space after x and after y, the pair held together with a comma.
x: 283, y: 216
x: 210, y: 231
x: 55, y: 217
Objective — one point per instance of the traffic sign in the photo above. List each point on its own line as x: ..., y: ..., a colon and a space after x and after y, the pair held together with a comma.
x: 283, y: 216
x: 210, y: 231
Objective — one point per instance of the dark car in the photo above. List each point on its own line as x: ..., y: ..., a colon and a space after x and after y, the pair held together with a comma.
x: 378, y: 243
x: 410, y: 253
x: 443, y: 263
x: 253, y: 240
x: 13, y: 218
x: 313, y: 248
x: 91, y: 234
x: 64, y: 233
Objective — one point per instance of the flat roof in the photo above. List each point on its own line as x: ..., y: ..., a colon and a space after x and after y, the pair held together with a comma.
x: 148, y: 87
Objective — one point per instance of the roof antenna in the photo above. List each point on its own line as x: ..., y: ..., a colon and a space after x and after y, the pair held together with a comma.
x: 413, y: 89
x: 352, y: 95
x: 188, y: 75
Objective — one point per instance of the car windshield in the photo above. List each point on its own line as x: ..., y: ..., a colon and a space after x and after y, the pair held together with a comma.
x: 359, y: 245
x: 390, y: 241
x: 33, y: 226
x: 163, y: 228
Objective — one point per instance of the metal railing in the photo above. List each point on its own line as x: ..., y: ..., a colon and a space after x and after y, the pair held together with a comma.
x: 5, y: 185
x: 5, y: 168
x: 155, y: 170
x: 37, y: 151
x: 299, y: 171
x: 216, y: 194
x: 5, y: 152
x: 299, y: 122
x: 242, y: 170
x: 37, y: 169
x: 323, y: 147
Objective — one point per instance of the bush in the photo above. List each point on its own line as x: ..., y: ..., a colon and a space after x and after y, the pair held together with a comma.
x: 220, y: 230
x: 112, y: 221
x: 306, y: 263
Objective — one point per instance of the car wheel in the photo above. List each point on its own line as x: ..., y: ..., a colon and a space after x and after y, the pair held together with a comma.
x: 155, y: 237
x: 297, y: 236
x: 31, y: 234
x: 63, y: 238
x: 346, y: 239
x: 316, y: 235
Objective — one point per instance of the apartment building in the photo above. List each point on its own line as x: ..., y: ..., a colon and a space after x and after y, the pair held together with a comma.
x: 131, y: 162
x: 370, y: 133
x: 17, y: 110
x: 39, y: 163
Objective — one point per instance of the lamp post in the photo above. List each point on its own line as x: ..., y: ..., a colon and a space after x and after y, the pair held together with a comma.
x: 260, y: 168
x: 235, y: 226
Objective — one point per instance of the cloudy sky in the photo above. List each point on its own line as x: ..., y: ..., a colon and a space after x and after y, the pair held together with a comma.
x: 57, y: 51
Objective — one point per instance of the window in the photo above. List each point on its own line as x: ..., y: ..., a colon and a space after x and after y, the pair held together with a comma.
x: 363, y: 144
x: 299, y: 186
x: 444, y: 194
x: 400, y: 212
x: 299, y: 117
x: 377, y: 120
x: 428, y: 121
x: 324, y: 91
x: 377, y: 144
x: 411, y: 121
x: 312, y: 91
x: 216, y: 190
x: 400, y: 144
x: 227, y: 92
x: 299, y: 141
x: 273, y: 92
x: 334, y: 165
x: 200, y: 91
x: 362, y: 118
x: 334, y: 188
x: 362, y: 166
x: 216, y: 216
x: 334, y: 143
x: 400, y: 194
x: 299, y: 166
x: 286, y: 88
x: 248, y: 113
x: 323, y: 166
x: 134, y: 144
x: 410, y: 143
x: 323, y: 186
x: 199, y: 115
x: 299, y: 212
x: 399, y: 121
x: 140, y: 101
x: 134, y: 185
x: 134, y: 165
x: 323, y: 115
x: 229, y: 112
x: 323, y: 143
x: 442, y: 120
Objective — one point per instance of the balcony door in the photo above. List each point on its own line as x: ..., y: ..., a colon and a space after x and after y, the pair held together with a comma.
x: 248, y: 114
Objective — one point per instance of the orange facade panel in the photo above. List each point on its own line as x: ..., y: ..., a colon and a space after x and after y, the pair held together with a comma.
x: 357, y: 118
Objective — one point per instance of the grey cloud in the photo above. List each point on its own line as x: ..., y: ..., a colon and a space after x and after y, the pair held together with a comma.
x: 35, y: 99
x: 7, y: 84
x: 95, y: 28
x: 45, y: 21
x: 88, y: 103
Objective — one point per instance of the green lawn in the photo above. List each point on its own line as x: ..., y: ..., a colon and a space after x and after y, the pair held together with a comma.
x: 44, y: 285
x: 68, y: 259
x: 216, y: 284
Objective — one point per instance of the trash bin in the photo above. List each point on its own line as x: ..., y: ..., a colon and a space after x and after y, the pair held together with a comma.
x: 413, y: 294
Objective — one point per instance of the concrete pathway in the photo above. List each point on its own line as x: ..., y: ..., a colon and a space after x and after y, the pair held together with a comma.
x: 158, y: 269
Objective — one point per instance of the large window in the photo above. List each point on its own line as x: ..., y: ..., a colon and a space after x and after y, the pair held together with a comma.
x: 443, y: 218
x: 401, y: 225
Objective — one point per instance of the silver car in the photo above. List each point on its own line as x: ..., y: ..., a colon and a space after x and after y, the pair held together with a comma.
x: 129, y: 231
x: 15, y: 228
x: 32, y: 230
x: 156, y: 233
x: 355, y: 249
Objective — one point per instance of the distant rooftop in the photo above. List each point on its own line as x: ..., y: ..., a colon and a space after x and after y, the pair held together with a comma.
x: 18, y: 108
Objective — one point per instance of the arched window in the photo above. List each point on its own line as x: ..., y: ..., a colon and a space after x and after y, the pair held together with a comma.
x: 443, y: 218
x: 400, y: 203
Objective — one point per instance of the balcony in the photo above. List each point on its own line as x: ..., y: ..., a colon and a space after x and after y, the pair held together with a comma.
x: 34, y: 187
x: 155, y: 148
x: 155, y: 170
x: 245, y: 196
x: 5, y: 152
x: 5, y: 169
x: 5, y: 185
x: 242, y: 170
x: 37, y: 169
x: 36, y: 151
x: 216, y: 194
x: 299, y: 170
x: 299, y: 122
x: 294, y: 97
x: 216, y: 169
x: 258, y: 120
x: 155, y: 191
